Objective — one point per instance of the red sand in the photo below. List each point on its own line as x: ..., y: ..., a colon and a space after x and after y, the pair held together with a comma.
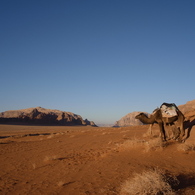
x: 85, y: 160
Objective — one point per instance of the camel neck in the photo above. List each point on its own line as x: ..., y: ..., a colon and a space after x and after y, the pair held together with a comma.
x: 147, y: 120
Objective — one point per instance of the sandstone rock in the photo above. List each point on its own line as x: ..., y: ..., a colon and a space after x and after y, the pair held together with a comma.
x: 91, y: 123
x: 128, y: 120
x: 189, y: 106
x: 42, y: 116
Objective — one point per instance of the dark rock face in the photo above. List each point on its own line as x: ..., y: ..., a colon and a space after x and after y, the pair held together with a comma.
x: 91, y: 123
x: 42, y: 116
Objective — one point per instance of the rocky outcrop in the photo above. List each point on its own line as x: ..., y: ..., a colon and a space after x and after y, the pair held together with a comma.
x: 90, y: 123
x: 128, y: 120
x: 42, y: 116
x: 188, y: 110
x: 188, y: 107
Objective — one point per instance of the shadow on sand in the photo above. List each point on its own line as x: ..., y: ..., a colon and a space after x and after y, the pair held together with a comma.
x: 188, y: 127
x: 185, y: 181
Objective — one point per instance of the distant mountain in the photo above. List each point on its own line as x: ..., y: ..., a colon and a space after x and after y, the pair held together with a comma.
x: 42, y: 116
x: 104, y: 125
x: 129, y: 120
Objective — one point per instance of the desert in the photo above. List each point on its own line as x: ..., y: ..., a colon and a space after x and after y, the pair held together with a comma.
x: 97, y: 97
x: 47, y: 151
x: 92, y: 160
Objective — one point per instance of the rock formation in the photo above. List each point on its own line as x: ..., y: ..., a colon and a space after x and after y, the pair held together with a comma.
x: 91, y: 123
x: 189, y: 106
x: 42, y: 116
x: 128, y: 120
x: 188, y: 110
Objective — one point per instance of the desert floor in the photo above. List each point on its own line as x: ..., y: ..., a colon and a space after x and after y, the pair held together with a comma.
x: 80, y: 160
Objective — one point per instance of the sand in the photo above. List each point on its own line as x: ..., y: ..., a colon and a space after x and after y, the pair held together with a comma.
x: 87, y: 160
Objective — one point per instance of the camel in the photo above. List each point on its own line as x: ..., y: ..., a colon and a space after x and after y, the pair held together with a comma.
x: 158, y: 117
x: 171, y: 126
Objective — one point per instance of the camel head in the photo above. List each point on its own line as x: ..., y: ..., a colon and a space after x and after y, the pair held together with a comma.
x: 140, y: 115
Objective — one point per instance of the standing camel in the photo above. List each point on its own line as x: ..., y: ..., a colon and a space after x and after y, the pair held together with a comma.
x: 169, y: 123
x: 158, y: 117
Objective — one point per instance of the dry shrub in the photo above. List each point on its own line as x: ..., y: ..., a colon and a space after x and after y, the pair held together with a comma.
x: 186, y: 147
x: 151, y: 145
x: 50, y: 136
x: 34, y: 165
x: 132, y: 143
x: 154, y: 144
x: 50, y: 158
x: 60, y: 183
x: 148, y: 134
x: 152, y: 182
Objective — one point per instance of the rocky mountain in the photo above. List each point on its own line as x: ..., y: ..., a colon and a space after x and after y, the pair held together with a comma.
x: 187, y: 109
x: 189, y: 106
x: 42, y: 116
x: 129, y: 120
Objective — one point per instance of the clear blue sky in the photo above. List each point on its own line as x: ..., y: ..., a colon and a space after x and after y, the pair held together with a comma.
x: 101, y: 59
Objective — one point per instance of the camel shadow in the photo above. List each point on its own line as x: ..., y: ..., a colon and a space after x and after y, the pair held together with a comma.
x: 185, y: 181
x: 188, y: 127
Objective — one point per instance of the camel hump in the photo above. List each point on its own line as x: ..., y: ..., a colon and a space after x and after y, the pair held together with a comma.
x: 168, y: 110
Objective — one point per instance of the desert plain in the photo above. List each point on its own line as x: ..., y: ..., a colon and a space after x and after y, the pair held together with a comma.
x: 85, y: 160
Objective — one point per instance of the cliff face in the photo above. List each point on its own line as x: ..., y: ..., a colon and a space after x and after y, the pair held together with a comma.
x: 42, y: 116
x: 188, y: 110
x: 189, y: 106
x: 128, y: 120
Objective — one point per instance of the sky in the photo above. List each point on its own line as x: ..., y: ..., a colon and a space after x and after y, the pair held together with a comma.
x: 101, y: 59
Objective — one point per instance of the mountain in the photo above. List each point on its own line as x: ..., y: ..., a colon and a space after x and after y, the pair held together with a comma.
x: 187, y: 109
x: 42, y: 116
x: 189, y: 106
x: 129, y: 120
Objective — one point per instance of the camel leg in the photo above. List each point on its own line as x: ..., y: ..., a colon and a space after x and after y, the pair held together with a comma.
x: 176, y: 132
x: 179, y: 132
x: 162, y: 131
x: 171, y: 131
x: 150, y: 129
x: 167, y: 134
x: 182, y: 132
